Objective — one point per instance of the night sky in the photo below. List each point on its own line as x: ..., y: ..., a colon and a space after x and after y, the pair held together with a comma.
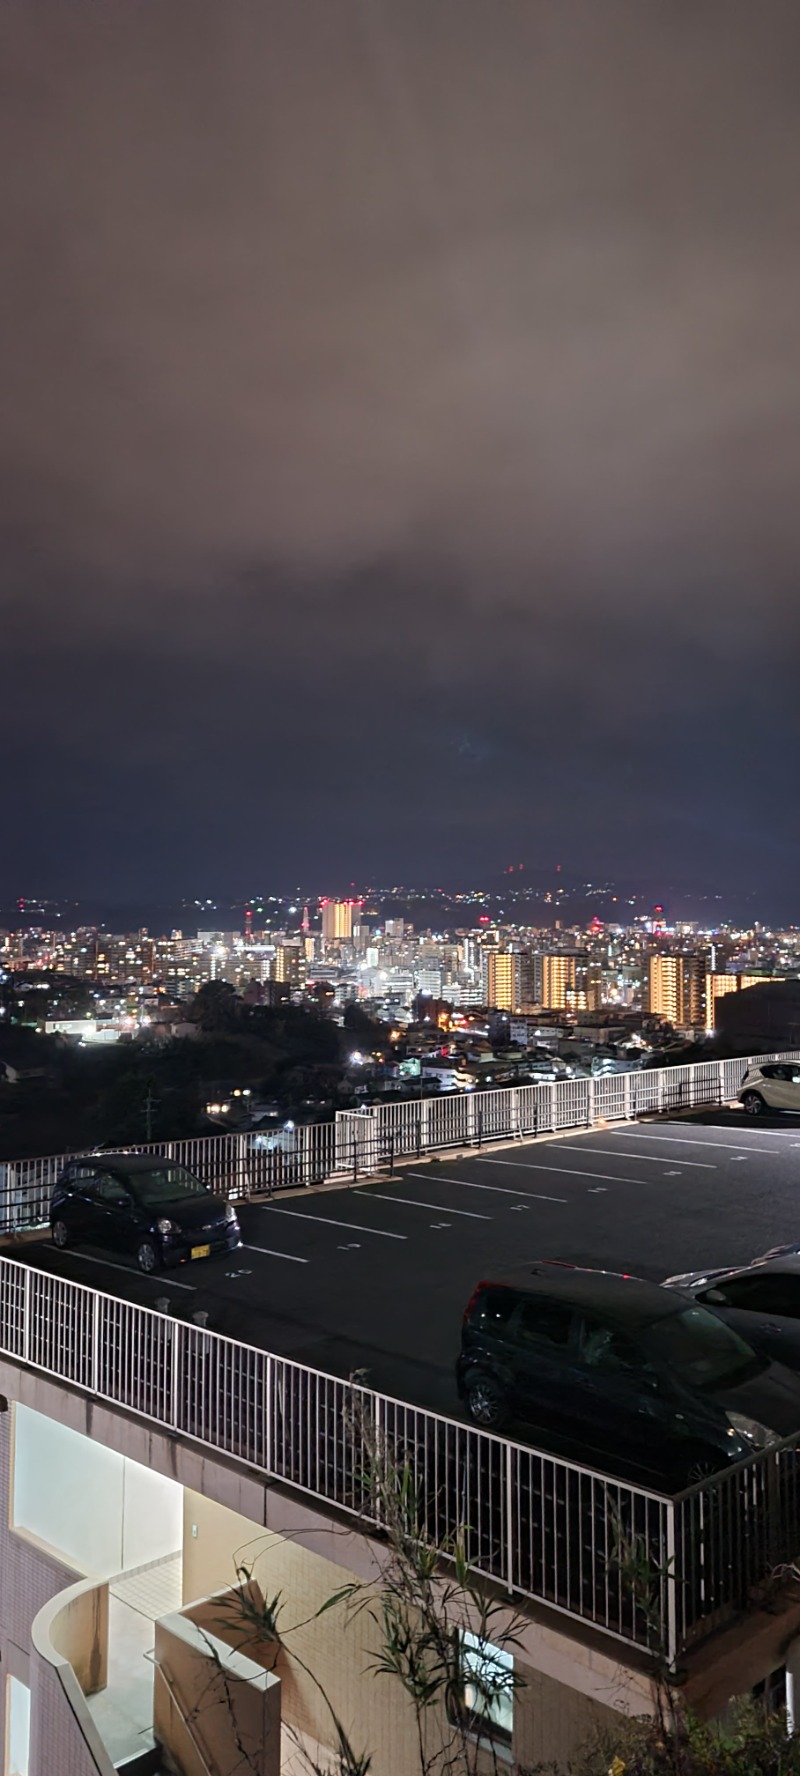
x: 400, y: 439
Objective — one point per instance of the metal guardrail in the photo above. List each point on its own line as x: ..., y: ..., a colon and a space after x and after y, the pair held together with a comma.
x: 544, y: 1528
x: 362, y: 1141
x: 386, y: 1132
x: 242, y: 1166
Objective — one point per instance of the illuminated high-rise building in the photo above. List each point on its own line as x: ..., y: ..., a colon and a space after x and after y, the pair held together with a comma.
x: 501, y: 978
x: 288, y: 963
x: 337, y: 920
x: 558, y: 982
x: 675, y: 989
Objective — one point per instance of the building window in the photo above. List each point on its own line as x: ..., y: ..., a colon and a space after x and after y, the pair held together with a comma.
x: 488, y: 1684
x: 18, y: 1727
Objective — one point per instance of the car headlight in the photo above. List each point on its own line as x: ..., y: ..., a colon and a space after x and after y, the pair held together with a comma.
x: 230, y: 1212
x: 165, y: 1226
x: 755, y: 1435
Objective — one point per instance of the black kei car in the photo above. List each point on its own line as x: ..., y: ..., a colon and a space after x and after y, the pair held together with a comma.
x: 638, y: 1375
x: 141, y: 1204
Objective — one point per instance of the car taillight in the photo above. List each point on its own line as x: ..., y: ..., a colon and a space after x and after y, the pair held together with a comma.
x: 473, y: 1300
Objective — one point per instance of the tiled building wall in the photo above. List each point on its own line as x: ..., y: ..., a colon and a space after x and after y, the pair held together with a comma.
x: 58, y: 1746
x: 551, y: 1720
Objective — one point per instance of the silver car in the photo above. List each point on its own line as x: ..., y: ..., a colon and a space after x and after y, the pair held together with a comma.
x: 774, y: 1085
x: 760, y: 1301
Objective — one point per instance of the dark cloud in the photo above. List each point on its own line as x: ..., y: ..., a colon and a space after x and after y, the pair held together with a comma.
x: 400, y: 440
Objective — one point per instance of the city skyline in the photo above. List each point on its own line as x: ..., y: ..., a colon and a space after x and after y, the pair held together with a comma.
x: 400, y: 443
x: 524, y: 896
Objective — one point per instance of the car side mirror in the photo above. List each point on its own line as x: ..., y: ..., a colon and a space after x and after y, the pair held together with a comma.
x: 123, y: 1202
x: 716, y: 1297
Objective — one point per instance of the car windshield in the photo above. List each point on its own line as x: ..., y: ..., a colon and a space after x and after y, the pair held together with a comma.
x: 702, y: 1349
x: 168, y: 1184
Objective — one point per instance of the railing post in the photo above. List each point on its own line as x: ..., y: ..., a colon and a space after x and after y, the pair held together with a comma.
x: 355, y: 1158
x: 627, y: 1096
x: 378, y: 1437
x: 95, y: 1376
x: 27, y: 1289
x: 509, y: 1521
x: 269, y: 1376
x: 176, y: 1334
x: 241, y: 1166
x: 672, y: 1590
x: 591, y: 1110
x: 513, y: 1113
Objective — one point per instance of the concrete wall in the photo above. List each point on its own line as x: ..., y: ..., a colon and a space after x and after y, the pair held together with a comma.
x: 69, y: 1660
x: 97, y: 1508
x: 79, y: 1634
x: 213, y: 1703
x: 28, y: 1578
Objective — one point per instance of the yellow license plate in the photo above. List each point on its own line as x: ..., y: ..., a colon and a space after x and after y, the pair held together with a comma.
x: 201, y: 1251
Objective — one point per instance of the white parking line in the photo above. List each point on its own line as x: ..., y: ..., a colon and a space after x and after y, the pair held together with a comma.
x: 687, y: 1141
x: 525, y: 1165
x: 787, y: 1134
x: 297, y: 1215
x: 498, y: 1189
x: 162, y: 1277
x: 268, y: 1253
x: 414, y: 1204
x: 614, y: 1153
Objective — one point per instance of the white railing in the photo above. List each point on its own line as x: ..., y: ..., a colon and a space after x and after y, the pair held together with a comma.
x: 361, y: 1141
x: 241, y: 1166
x: 384, y: 1132
x: 546, y: 1529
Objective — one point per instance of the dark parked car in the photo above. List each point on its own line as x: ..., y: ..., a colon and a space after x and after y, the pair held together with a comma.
x: 142, y: 1204
x: 639, y: 1374
x: 761, y: 1301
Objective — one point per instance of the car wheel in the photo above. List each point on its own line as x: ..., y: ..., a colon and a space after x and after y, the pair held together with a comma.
x: 753, y: 1103
x: 486, y: 1402
x: 147, y: 1257
x: 701, y: 1469
x: 60, y: 1234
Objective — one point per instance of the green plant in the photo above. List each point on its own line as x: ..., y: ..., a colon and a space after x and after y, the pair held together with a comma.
x: 441, y: 1636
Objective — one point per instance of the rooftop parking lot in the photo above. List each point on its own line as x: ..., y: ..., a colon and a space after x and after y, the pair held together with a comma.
x: 375, y: 1277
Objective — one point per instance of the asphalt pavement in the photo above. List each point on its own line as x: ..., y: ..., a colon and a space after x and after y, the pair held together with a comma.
x: 375, y: 1277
